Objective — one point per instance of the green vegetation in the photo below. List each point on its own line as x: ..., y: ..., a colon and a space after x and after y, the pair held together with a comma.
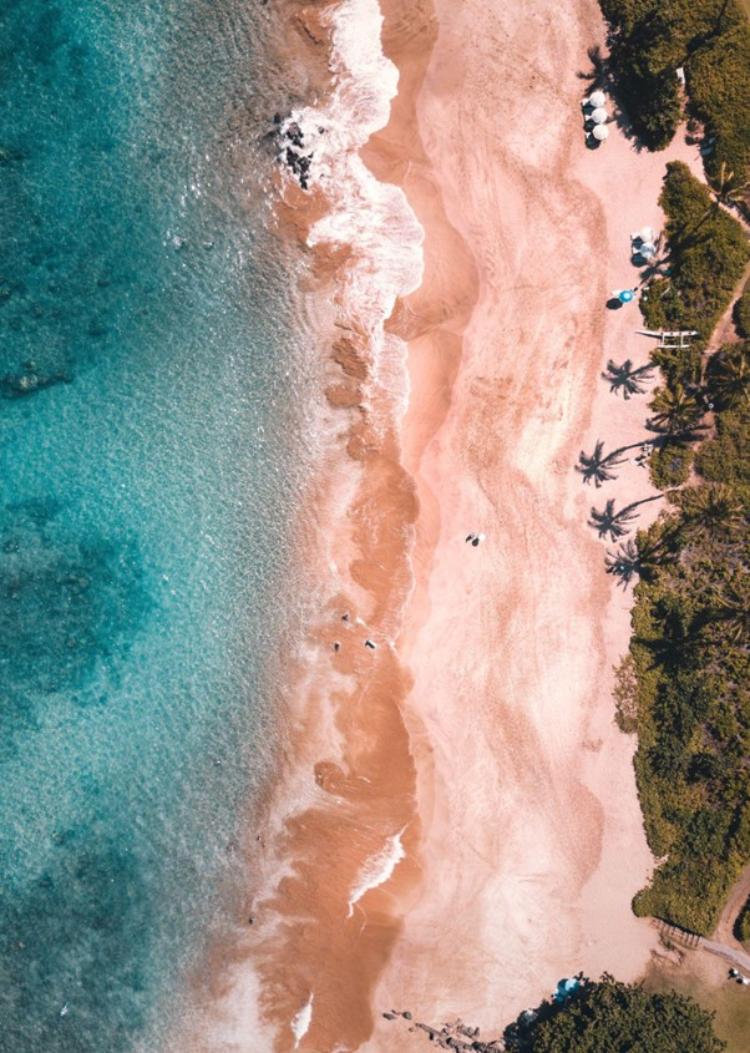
x: 670, y: 465
x: 728, y: 1003
x: 742, y: 928
x: 691, y: 653
x: 686, y: 690
x: 742, y: 313
x: 727, y: 456
x: 651, y: 39
x: 612, y: 1016
x: 718, y: 82
x: 626, y: 695
x: 708, y: 253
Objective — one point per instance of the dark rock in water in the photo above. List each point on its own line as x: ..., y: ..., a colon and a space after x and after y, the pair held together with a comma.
x: 29, y: 382
x: 389, y: 1016
x: 10, y: 155
x: 292, y: 140
x: 406, y: 1015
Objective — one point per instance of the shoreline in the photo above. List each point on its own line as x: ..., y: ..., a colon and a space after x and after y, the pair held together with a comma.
x: 340, y: 833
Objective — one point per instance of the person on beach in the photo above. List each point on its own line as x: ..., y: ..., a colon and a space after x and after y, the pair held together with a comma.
x: 474, y: 539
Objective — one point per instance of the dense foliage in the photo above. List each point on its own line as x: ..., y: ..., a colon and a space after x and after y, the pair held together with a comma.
x: 742, y: 929
x: 670, y: 465
x: 691, y: 653
x: 742, y: 313
x: 611, y: 1017
x: 708, y: 253
x: 710, y: 39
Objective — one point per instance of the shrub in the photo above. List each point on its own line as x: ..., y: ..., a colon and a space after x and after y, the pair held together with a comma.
x: 670, y: 465
x: 742, y: 313
x: 742, y: 926
x: 626, y: 696
x: 708, y: 253
x: 718, y: 81
x: 726, y: 458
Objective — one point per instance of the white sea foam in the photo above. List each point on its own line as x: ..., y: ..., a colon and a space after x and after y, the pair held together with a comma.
x: 374, y: 218
x: 378, y: 869
x: 301, y: 1021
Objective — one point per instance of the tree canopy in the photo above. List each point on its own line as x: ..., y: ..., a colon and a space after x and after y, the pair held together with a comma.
x: 613, y: 1017
x: 651, y: 39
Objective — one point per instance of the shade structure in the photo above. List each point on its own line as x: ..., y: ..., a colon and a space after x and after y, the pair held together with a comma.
x: 600, y: 132
x: 647, y: 250
x: 625, y: 295
x: 597, y: 98
x: 646, y: 234
x: 599, y: 115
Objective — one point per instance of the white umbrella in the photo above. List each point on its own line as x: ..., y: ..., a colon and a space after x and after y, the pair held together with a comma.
x: 646, y: 234
x: 647, y: 250
x: 600, y: 132
x: 599, y: 115
x: 597, y: 98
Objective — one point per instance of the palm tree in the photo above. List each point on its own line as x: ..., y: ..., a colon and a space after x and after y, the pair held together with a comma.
x: 596, y: 467
x: 676, y: 410
x: 726, y: 195
x: 729, y: 376
x: 626, y: 379
x: 727, y: 191
x: 708, y: 508
x: 733, y: 608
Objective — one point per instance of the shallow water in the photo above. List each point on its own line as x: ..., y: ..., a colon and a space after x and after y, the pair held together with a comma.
x: 152, y: 430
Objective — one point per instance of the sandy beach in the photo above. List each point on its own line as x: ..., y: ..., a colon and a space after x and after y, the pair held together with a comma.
x: 534, y: 843
x: 455, y: 825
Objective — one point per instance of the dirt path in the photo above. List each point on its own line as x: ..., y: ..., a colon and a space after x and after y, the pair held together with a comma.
x: 725, y: 332
x: 736, y: 900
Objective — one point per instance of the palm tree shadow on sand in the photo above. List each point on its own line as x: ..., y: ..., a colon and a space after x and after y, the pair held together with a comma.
x: 615, y: 525
x: 624, y: 379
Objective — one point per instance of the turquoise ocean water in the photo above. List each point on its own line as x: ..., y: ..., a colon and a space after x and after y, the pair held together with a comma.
x: 152, y: 446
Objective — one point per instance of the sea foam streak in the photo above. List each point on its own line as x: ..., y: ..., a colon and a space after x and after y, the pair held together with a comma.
x: 301, y: 1021
x: 374, y: 218
x: 378, y: 869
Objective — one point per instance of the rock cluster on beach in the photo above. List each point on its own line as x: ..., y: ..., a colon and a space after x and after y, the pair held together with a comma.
x: 456, y: 1036
x: 291, y: 141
